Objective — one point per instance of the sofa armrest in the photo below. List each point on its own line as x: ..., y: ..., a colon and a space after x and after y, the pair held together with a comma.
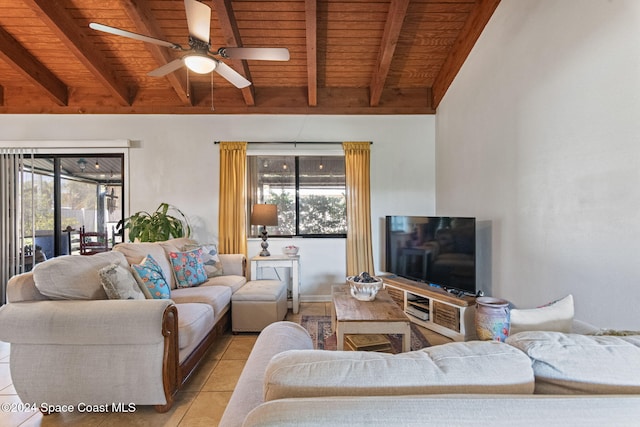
x: 96, y: 322
x: 235, y: 264
x: 93, y: 352
x: 445, y: 410
x: 22, y: 287
x: 248, y: 393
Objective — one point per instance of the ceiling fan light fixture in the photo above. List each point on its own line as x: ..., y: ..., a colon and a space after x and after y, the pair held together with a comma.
x: 200, y: 64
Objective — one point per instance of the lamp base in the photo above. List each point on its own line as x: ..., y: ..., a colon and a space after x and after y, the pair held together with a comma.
x: 264, y: 243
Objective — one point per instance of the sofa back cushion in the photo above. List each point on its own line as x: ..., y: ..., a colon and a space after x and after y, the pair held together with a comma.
x: 581, y: 364
x: 462, y: 367
x: 75, y: 277
x: 135, y: 253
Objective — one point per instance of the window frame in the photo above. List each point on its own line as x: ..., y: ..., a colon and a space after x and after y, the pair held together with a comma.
x: 295, y: 154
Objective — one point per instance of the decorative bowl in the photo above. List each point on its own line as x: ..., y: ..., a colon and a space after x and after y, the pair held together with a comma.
x: 363, y: 291
x: 290, y: 250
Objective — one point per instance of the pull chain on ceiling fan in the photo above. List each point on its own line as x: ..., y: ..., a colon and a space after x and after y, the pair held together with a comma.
x: 199, y: 57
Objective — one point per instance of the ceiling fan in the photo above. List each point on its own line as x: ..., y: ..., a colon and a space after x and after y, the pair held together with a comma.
x: 199, y: 57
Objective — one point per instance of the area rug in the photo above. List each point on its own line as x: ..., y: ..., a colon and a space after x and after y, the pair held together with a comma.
x: 324, y: 338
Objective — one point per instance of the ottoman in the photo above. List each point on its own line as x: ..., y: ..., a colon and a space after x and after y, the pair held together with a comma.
x: 257, y: 304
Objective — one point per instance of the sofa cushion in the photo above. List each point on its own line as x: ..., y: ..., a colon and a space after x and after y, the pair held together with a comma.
x: 177, y: 245
x: 188, y: 268
x: 151, y: 279
x: 461, y: 367
x: 74, y: 276
x: 194, y: 322
x: 575, y: 364
x: 556, y: 316
x: 231, y: 281
x: 136, y: 252
x: 217, y: 297
x: 118, y: 282
x: 261, y: 290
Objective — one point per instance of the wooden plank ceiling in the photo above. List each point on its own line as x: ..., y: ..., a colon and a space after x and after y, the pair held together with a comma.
x: 347, y: 56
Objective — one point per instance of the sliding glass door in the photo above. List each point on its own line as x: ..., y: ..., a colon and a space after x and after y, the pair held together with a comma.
x: 65, y: 194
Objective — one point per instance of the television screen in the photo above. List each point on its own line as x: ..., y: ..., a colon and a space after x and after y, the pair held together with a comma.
x: 435, y: 250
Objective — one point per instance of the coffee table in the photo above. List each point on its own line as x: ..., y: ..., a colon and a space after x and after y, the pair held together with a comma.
x: 380, y: 316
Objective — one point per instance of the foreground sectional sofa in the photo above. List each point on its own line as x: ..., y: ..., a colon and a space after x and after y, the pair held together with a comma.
x: 535, y: 379
x: 70, y: 343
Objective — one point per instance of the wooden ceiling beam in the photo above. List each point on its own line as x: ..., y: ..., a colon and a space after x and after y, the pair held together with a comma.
x: 26, y: 64
x: 311, y: 23
x: 229, y: 27
x: 141, y: 15
x: 469, y: 34
x: 63, y: 26
x: 392, y: 29
x: 270, y: 100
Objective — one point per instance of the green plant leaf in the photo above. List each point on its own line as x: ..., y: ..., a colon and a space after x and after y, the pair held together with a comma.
x: 158, y: 226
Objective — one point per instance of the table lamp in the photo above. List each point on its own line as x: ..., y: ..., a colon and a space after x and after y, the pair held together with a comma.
x: 264, y: 215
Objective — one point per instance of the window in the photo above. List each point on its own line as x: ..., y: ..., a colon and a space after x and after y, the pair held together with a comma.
x: 308, y: 190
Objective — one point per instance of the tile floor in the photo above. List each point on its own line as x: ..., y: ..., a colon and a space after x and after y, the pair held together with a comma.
x: 200, y: 403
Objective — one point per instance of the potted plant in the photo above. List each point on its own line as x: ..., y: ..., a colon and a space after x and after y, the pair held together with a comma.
x: 156, y: 226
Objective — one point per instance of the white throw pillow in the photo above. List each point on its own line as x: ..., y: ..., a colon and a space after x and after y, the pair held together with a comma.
x: 75, y: 277
x: 556, y: 316
x: 119, y: 283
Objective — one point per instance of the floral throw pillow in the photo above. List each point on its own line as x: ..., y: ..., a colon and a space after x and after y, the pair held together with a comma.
x: 188, y: 268
x: 210, y: 259
x: 151, y: 279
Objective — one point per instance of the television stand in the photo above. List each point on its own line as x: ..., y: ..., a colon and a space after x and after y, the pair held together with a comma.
x: 434, y: 308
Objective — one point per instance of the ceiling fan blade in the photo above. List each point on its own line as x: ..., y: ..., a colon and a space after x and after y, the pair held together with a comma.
x: 231, y: 75
x: 135, y: 36
x: 198, y: 19
x: 167, y: 68
x: 259, y: 53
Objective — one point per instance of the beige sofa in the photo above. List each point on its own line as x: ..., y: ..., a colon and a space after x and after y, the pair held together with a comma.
x: 70, y: 344
x: 537, y: 378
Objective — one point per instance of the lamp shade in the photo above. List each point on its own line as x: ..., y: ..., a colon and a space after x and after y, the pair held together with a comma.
x: 264, y: 215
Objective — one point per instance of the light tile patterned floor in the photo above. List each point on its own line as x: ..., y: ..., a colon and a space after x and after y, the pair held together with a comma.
x: 201, y: 402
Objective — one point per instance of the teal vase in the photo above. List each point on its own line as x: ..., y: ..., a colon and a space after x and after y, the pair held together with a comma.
x: 492, y: 318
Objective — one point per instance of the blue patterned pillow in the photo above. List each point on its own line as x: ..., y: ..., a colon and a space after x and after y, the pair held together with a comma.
x: 150, y: 279
x: 188, y: 268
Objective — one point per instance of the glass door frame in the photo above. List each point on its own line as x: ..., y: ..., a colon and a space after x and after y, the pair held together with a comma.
x: 79, y: 152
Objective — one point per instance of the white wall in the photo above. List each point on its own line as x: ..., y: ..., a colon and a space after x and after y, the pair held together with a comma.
x: 539, y: 137
x: 174, y: 160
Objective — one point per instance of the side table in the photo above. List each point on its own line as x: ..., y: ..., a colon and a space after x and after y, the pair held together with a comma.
x: 283, y: 261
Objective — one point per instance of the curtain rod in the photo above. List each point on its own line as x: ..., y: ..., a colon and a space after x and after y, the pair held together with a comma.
x: 294, y: 142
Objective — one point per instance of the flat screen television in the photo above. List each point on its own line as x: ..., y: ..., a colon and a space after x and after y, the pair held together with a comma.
x: 440, y: 251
